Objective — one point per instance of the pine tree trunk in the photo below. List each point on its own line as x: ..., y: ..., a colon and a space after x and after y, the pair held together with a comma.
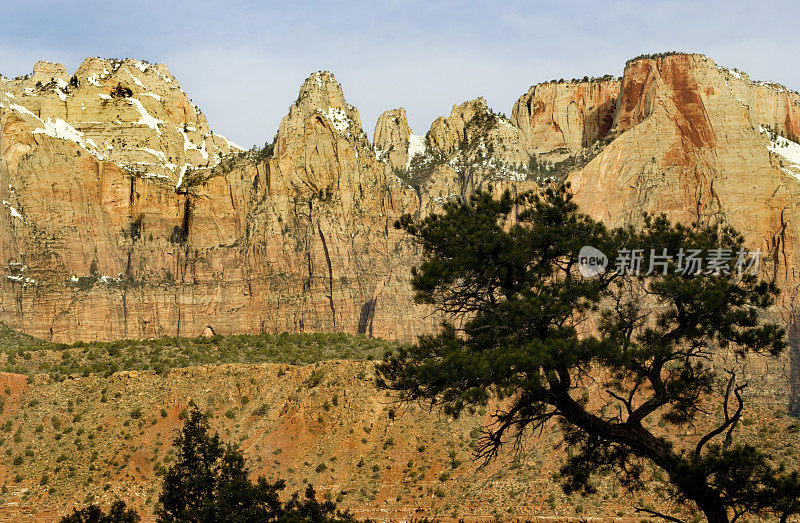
x: 714, y: 511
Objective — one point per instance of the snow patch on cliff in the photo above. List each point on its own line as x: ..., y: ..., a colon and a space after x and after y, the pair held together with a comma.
x: 338, y: 118
x: 188, y: 145
x: 786, y: 149
x: 416, y: 146
x: 61, y: 89
x: 158, y: 154
x: 163, y: 77
x: 146, y: 118
x: 155, y: 175
x: 60, y: 129
x: 733, y: 72
x: 24, y: 280
x: 135, y: 80
x: 183, y: 173
x: 19, y: 109
x: 12, y: 211
x: 233, y: 145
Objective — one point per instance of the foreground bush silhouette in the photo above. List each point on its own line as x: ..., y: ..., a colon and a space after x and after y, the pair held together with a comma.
x: 525, y: 328
x: 94, y: 514
x: 209, y: 483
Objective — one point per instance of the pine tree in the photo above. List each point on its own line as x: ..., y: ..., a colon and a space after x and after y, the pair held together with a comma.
x: 210, y: 482
x: 523, y: 327
x: 118, y: 513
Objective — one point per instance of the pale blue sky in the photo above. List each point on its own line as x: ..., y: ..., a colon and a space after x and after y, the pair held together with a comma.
x: 242, y: 62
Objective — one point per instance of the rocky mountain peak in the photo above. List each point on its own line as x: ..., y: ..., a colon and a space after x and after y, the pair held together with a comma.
x: 320, y: 91
x: 95, y: 70
x: 321, y: 96
x: 446, y: 133
x: 320, y: 144
x: 476, y: 133
x: 557, y: 119
x: 392, y: 138
x: 128, y: 111
x: 45, y: 71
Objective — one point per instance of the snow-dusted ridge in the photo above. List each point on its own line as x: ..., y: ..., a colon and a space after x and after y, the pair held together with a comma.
x: 169, y: 136
x: 785, y: 149
x: 338, y: 118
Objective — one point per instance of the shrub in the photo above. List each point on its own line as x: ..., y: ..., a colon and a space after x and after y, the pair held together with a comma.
x: 210, y: 478
x: 118, y: 513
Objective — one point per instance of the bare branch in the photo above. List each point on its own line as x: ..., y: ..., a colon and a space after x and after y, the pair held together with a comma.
x: 657, y: 514
x: 730, y: 421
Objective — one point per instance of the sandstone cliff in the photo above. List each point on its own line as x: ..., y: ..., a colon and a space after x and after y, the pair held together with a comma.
x: 100, y: 243
x: 690, y: 142
x: 124, y: 222
x: 394, y: 142
x: 557, y: 119
x: 127, y: 217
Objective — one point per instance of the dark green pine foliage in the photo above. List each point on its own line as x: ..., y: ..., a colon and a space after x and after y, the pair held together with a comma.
x: 118, y: 513
x: 524, y: 327
x: 209, y: 482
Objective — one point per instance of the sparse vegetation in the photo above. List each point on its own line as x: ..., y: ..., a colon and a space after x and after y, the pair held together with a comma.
x: 121, y: 91
x: 160, y: 355
x: 543, y: 171
x: 653, y: 56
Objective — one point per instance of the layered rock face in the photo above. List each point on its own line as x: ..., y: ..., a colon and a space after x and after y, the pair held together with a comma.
x: 301, y: 239
x: 129, y: 112
x: 558, y: 119
x: 394, y: 142
x: 690, y: 142
x: 712, y: 156
x: 94, y: 168
x: 470, y: 149
x: 127, y: 217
